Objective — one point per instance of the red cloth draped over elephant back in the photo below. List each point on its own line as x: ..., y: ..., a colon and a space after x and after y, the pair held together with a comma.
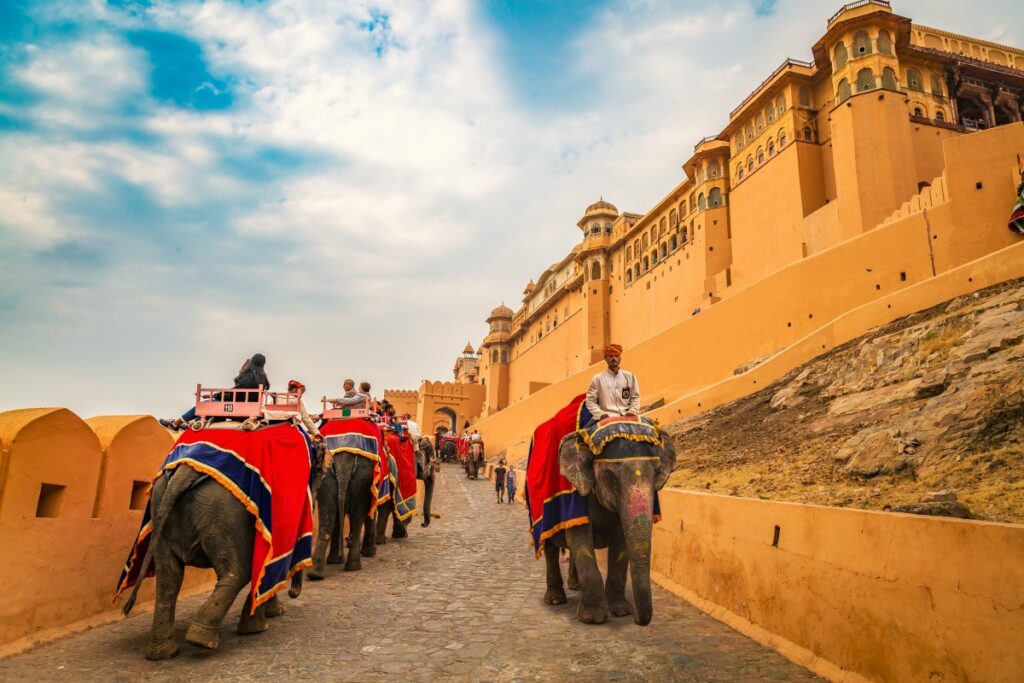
x: 403, y: 481
x: 363, y: 438
x: 269, y: 471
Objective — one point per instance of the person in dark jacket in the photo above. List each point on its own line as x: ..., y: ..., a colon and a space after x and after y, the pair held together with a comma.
x: 250, y: 376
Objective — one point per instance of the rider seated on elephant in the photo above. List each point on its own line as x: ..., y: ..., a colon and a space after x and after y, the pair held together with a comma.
x: 297, y: 387
x: 615, y: 391
x: 250, y: 376
x: 351, y: 398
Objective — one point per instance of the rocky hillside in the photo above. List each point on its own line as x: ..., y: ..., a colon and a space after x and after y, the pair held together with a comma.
x: 923, y: 415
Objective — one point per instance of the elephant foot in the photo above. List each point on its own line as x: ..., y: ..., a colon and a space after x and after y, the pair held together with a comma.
x: 399, y: 532
x: 573, y: 583
x: 248, y: 626
x: 593, y: 614
x: 164, y: 649
x: 294, y: 592
x: 204, y: 636
x: 368, y: 552
x: 353, y: 566
x: 381, y: 540
x: 315, y: 573
x: 620, y: 608
x: 334, y: 559
x: 555, y: 596
x: 274, y: 608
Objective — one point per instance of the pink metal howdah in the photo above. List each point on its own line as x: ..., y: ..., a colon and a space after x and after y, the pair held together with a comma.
x: 282, y: 401
x: 331, y: 412
x: 236, y: 403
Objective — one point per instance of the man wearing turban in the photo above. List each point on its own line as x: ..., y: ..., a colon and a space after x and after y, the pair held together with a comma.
x: 615, y: 391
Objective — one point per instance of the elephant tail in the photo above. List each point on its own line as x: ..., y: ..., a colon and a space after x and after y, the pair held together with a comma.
x: 176, y: 485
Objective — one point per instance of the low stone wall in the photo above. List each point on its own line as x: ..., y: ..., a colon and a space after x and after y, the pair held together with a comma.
x: 72, y: 493
x: 853, y: 595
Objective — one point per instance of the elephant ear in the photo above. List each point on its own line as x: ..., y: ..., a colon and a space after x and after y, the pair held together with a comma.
x: 666, y: 463
x: 576, y: 463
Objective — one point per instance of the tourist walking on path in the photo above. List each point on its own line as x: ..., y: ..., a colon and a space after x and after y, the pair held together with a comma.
x: 499, y: 481
x: 510, y: 485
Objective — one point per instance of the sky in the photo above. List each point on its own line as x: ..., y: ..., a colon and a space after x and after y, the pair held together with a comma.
x: 346, y: 187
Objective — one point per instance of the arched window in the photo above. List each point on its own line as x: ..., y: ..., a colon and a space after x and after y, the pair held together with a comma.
x: 808, y: 133
x: 839, y: 56
x: 889, y: 81
x: 636, y: 247
x: 771, y: 148
x: 654, y: 233
x: 494, y: 355
x: 940, y: 115
x: 647, y: 263
x: 595, y: 271
x: 770, y: 113
x: 715, y: 197
x: 782, y: 138
x: 629, y: 252
x: 805, y: 96
x: 714, y: 168
x: 739, y: 172
x: 629, y: 276
x: 663, y: 226
x: 682, y: 208
x: 750, y: 131
x: 918, y: 113
x: 750, y: 164
x: 686, y: 235
x: 693, y: 203
x: 780, y: 103
x: 673, y: 243
x: 843, y: 91
x: 701, y: 202
x: 760, y: 156
x: 914, y: 80
x: 884, y: 43
x: 504, y: 356
x: 664, y: 249
x: 936, y: 85
x: 865, y: 80
x: 673, y: 218
x: 760, y: 122
x: 645, y: 242
x: 861, y: 44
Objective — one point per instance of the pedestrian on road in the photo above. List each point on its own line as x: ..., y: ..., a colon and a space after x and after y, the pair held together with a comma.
x: 499, y: 481
x: 510, y: 485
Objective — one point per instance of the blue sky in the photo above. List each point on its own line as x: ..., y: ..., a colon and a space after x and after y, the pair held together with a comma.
x: 347, y: 187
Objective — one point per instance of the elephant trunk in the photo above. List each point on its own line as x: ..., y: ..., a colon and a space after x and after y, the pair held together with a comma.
x: 637, y: 522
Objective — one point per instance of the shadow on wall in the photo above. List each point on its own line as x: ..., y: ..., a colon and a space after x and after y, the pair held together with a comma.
x: 72, y: 494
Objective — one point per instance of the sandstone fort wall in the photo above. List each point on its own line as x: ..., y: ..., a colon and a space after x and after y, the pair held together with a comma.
x: 72, y: 493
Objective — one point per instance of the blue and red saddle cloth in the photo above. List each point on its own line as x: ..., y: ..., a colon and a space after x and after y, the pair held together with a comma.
x: 553, y: 502
x: 269, y: 471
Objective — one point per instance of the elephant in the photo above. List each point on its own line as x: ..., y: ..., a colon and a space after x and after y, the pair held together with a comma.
x: 619, y: 487
x: 448, y: 450
x: 426, y: 470
x: 474, y: 459
x: 345, y: 489
x: 199, y: 523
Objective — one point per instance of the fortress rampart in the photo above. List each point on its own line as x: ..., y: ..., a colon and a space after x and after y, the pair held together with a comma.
x: 72, y: 494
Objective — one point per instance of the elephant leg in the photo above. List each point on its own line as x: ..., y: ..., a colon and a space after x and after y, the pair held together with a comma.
x: 171, y: 570
x: 204, y: 631
x: 256, y: 622
x: 360, y: 524
x: 574, y: 577
x: 381, y: 524
x: 555, y: 594
x: 397, y: 526
x: 428, y: 494
x: 369, y: 548
x: 327, y: 522
x: 274, y: 607
x: 618, y: 564
x: 334, y: 556
x: 296, y: 588
x: 593, y: 604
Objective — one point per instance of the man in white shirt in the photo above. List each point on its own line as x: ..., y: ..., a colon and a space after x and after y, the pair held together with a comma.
x: 615, y: 391
x: 412, y: 426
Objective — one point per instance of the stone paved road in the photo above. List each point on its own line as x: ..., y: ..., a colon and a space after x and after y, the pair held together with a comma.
x: 460, y: 600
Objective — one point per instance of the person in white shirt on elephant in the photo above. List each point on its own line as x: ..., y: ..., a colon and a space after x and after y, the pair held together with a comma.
x: 613, y: 392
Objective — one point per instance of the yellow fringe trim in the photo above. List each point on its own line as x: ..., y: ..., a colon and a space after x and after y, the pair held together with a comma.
x: 578, y: 521
x: 657, y: 440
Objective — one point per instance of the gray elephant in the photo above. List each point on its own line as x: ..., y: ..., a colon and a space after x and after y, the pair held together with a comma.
x: 199, y: 523
x: 619, y: 487
x: 474, y: 459
x: 426, y: 470
x: 345, y: 490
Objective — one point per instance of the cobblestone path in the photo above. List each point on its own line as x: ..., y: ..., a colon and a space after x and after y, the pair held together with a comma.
x: 460, y: 600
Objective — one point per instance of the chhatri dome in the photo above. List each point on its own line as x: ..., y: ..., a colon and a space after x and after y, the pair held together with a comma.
x: 599, y: 209
x: 501, y: 311
x: 468, y: 350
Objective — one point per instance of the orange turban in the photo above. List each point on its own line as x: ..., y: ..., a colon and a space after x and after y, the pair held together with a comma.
x: 613, y: 350
x: 296, y: 385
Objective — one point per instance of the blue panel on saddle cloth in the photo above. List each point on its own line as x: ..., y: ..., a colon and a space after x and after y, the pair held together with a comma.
x: 353, y: 443
x: 598, y: 436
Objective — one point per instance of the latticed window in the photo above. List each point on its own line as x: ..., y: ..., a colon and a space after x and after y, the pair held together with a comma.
x: 889, y: 81
x: 843, y: 92
x: 760, y: 123
x: 839, y: 56
x: 663, y: 228
x: 646, y: 242
x: 936, y: 85
x: 884, y: 43
x: 771, y: 148
x: 715, y: 197
x: 673, y: 218
x: 714, y: 168
x: 750, y: 164
x: 750, y: 131
x: 780, y: 104
x: 914, y: 81
x: 636, y: 247
x: 701, y: 202
x: 682, y: 208
x: 861, y: 44
x: 760, y: 156
x: 782, y: 138
x: 805, y: 96
x: 865, y: 80
x: 771, y: 114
